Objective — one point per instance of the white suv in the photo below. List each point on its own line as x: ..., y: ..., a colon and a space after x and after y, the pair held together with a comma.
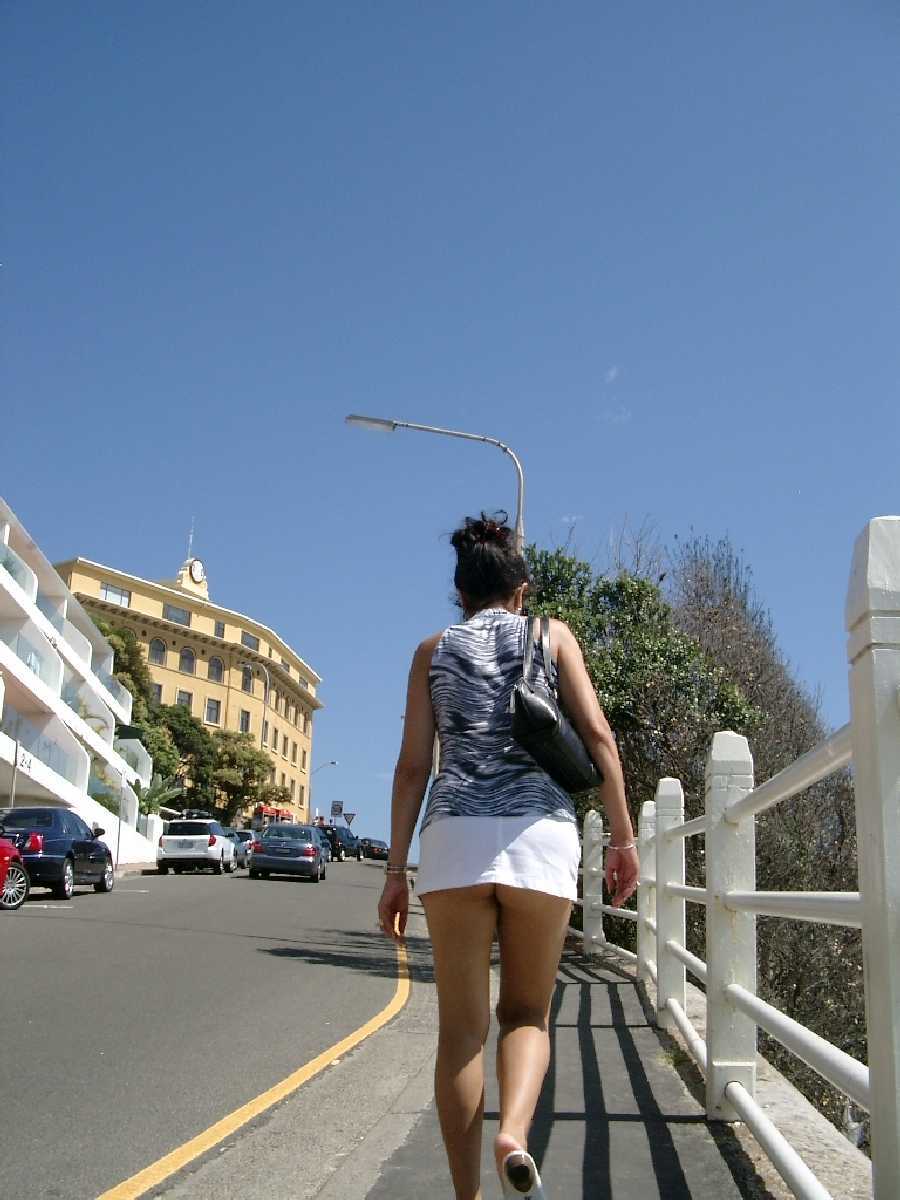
x: 195, y: 844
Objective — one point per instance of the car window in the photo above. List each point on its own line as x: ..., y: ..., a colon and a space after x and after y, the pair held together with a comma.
x: 82, y: 830
x: 188, y: 828
x: 27, y: 818
x: 295, y: 832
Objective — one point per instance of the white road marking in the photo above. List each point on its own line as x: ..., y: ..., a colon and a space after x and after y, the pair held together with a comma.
x: 52, y: 907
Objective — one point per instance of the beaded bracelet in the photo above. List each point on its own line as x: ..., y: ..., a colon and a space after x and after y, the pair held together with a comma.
x: 627, y: 846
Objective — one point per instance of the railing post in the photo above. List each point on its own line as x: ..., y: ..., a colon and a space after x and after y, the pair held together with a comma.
x: 730, y: 936
x: 592, y: 883
x: 873, y: 625
x: 646, y: 896
x: 670, y: 919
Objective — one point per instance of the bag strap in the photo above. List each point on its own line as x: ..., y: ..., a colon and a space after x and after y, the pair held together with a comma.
x: 528, y: 656
x: 545, y: 648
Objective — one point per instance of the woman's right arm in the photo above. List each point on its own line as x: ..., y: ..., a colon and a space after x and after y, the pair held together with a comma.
x: 583, y: 709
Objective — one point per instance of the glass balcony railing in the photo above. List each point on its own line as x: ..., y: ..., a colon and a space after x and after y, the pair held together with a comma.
x: 13, y: 565
x: 50, y: 611
x: 117, y: 690
x: 105, y: 792
x: 29, y: 654
x: 30, y: 738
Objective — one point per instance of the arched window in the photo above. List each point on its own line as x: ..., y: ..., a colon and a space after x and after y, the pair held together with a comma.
x: 187, y: 661
x: 158, y: 652
x: 216, y: 670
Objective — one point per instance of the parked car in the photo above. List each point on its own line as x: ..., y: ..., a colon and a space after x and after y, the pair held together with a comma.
x: 240, y: 847
x: 59, y: 850
x: 286, y: 849
x: 349, y: 842
x: 376, y: 849
x: 201, y: 844
x: 14, y: 882
x: 246, y: 836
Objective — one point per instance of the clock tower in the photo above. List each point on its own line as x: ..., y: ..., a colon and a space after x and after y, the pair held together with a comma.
x: 192, y: 578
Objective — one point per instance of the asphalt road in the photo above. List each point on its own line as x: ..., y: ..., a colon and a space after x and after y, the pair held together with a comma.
x: 133, y: 1021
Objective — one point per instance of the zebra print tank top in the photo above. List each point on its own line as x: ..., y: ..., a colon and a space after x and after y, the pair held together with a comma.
x: 483, y: 770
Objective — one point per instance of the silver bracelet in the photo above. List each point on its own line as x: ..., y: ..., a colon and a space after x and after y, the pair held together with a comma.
x: 395, y: 868
x: 627, y: 846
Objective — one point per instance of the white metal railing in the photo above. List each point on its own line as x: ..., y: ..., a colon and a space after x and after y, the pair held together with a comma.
x: 734, y: 1013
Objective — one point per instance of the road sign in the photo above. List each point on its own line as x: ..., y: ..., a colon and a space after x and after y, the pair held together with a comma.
x: 348, y: 817
x: 337, y: 807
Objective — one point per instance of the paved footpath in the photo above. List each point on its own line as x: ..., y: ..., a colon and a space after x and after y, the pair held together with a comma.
x: 615, y: 1119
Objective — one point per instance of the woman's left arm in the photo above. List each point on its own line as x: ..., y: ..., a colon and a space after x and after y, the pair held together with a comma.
x: 410, y: 781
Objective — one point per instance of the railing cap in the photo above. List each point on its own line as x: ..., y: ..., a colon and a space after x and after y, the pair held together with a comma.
x: 875, y: 571
x: 729, y: 754
x: 669, y: 796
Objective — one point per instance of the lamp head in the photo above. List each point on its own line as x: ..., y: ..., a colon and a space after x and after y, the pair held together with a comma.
x: 376, y: 424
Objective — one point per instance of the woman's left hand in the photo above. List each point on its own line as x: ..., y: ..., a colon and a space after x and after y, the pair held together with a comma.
x: 393, y: 907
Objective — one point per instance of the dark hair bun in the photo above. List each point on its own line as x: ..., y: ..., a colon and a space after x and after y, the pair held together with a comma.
x: 488, y: 566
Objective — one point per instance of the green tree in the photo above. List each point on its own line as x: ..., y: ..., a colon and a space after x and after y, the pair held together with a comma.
x: 197, y: 753
x: 130, y: 666
x: 241, y: 771
x: 158, y: 794
x: 274, y: 795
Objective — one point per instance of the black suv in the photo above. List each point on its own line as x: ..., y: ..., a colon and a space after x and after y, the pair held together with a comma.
x: 347, y: 841
x: 58, y: 849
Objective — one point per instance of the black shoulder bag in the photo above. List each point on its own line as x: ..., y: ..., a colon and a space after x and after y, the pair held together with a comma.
x: 541, y: 727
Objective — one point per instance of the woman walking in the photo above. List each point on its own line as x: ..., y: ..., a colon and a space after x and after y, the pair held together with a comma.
x: 499, y: 850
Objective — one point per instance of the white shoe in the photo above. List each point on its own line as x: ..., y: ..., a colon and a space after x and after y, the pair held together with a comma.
x: 520, y: 1177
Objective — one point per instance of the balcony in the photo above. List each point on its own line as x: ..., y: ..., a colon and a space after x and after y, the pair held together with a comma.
x: 118, y: 691
x: 88, y: 706
x: 105, y: 790
x: 33, y: 741
x: 50, y: 607
x: 137, y: 758
x: 19, y: 570
x: 39, y: 659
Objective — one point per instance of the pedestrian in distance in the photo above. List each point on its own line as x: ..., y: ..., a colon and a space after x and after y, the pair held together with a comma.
x: 498, y: 849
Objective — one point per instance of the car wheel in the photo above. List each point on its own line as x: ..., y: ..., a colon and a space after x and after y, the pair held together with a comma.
x: 264, y: 874
x: 229, y: 867
x: 178, y: 870
x: 64, y: 888
x: 16, y: 887
x: 108, y: 882
x: 219, y: 867
x: 162, y: 870
x: 254, y: 874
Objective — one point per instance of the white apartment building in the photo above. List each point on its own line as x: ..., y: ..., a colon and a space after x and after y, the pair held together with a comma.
x: 59, y: 702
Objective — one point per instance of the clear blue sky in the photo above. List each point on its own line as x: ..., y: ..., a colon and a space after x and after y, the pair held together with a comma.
x: 653, y: 247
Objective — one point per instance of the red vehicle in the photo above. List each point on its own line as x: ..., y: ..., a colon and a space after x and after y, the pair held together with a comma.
x: 14, y: 882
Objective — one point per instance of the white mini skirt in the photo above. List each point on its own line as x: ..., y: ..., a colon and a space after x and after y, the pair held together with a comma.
x: 534, y: 852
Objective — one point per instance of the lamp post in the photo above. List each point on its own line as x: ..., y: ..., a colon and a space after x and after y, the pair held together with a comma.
x: 387, y: 425
x: 333, y: 762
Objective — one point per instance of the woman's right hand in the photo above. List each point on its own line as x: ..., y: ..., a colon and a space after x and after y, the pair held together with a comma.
x: 622, y: 871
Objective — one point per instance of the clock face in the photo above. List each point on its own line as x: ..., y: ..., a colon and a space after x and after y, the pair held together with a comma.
x: 197, y: 572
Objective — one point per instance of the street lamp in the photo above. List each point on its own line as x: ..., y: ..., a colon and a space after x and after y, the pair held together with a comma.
x: 321, y: 767
x: 386, y: 425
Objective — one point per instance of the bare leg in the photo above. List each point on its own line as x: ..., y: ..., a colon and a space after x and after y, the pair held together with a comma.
x: 531, y: 927
x: 461, y: 922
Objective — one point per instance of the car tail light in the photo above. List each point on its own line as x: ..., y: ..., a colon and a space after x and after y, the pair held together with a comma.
x: 212, y: 839
x: 257, y: 847
x: 35, y: 843
x: 307, y: 852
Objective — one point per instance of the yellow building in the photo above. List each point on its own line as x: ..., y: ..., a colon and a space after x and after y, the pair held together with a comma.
x: 229, y: 670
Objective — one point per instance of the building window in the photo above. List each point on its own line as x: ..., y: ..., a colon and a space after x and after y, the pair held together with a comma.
x: 185, y: 699
x: 306, y: 722
x: 213, y: 712
x: 156, y: 689
x: 187, y: 663
x: 293, y: 786
x: 115, y: 595
x: 282, y: 778
x: 284, y: 745
x: 216, y: 670
x: 293, y: 752
x: 300, y: 792
x: 158, y: 652
x: 303, y: 761
x: 180, y: 616
x: 248, y: 640
x: 244, y: 721
x: 246, y: 679
x: 286, y: 665
x: 265, y: 733
x: 220, y: 629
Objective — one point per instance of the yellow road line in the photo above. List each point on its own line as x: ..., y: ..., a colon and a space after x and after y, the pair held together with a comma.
x: 176, y: 1160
